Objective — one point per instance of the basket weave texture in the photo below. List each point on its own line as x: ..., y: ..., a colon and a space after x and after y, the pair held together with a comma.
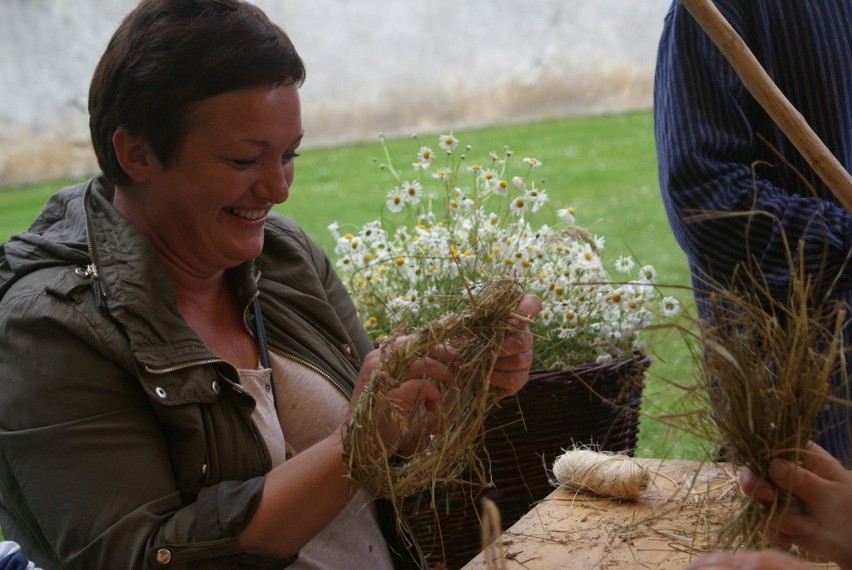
x: 589, y: 405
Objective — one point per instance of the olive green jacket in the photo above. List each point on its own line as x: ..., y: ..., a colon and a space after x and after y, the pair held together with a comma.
x: 124, y: 442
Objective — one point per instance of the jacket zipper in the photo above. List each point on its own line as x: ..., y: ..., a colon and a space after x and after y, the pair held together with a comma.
x: 183, y: 365
x: 91, y: 270
x: 343, y: 389
x: 201, y: 362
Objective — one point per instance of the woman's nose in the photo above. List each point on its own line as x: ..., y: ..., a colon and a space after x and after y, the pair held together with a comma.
x: 275, y: 185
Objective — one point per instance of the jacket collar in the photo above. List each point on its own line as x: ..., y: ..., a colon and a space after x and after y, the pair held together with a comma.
x: 136, y: 288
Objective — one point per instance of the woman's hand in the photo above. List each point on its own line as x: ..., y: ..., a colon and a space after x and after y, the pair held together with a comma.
x: 415, y: 406
x: 824, y: 487
x: 763, y: 560
x: 512, y: 369
x: 411, y: 407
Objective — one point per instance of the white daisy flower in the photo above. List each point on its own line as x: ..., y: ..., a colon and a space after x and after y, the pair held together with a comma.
x: 648, y: 273
x: 669, y: 307
x: 441, y: 173
x: 518, y: 206
x: 624, y: 264
x: 566, y: 215
x: 453, y: 206
x: 395, y: 200
x: 425, y: 155
x: 371, y: 231
x: 448, y: 142
x: 334, y: 230
x: 537, y: 198
x: 489, y: 178
x: 412, y: 191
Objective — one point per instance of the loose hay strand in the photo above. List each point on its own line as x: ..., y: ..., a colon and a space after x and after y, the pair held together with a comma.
x: 476, y: 333
x: 491, y: 530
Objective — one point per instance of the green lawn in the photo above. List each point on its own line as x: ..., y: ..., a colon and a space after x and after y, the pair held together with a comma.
x: 604, y: 166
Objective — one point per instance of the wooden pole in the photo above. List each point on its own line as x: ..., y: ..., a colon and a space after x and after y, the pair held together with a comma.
x: 773, y: 101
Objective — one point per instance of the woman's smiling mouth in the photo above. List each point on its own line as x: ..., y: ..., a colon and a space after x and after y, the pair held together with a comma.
x: 247, y: 214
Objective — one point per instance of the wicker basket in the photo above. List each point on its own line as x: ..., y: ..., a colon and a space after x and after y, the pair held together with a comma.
x: 589, y: 405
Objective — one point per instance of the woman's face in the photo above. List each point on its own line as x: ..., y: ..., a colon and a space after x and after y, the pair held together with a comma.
x: 207, y: 209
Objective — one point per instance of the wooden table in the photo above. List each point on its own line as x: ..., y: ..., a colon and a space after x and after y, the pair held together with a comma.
x: 667, y: 527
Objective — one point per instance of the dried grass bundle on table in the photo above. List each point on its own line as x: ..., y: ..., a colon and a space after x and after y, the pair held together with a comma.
x: 476, y: 332
x: 766, y: 371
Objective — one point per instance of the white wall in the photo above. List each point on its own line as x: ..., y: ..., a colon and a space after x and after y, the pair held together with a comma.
x: 373, y: 66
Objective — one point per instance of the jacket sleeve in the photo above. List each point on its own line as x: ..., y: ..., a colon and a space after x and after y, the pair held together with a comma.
x: 86, y: 475
x: 729, y: 198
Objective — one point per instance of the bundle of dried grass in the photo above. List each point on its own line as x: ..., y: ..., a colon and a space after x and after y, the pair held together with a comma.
x: 476, y: 333
x: 766, y: 371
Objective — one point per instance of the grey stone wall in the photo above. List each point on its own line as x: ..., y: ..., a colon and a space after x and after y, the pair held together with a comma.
x: 373, y: 66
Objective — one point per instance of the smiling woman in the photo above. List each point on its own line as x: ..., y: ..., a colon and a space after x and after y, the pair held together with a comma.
x: 208, y: 207
x: 177, y: 360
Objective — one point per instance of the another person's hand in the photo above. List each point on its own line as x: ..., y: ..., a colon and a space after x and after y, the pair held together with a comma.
x: 824, y: 486
x: 762, y: 560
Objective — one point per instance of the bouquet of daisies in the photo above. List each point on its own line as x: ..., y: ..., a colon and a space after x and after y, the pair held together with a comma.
x: 453, y: 223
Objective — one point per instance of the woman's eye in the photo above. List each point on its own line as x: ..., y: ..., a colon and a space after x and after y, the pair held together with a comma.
x: 243, y: 162
x: 288, y: 156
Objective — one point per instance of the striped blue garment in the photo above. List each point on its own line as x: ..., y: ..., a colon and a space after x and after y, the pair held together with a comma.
x: 11, y: 557
x: 719, y: 152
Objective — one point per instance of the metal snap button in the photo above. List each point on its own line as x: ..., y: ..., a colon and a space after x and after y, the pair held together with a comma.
x: 160, y: 392
x: 164, y: 556
x: 215, y: 387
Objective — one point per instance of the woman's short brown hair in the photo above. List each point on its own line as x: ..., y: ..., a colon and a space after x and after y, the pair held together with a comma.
x: 167, y: 55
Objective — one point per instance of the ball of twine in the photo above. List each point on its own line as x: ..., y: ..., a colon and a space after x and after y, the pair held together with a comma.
x: 601, y: 473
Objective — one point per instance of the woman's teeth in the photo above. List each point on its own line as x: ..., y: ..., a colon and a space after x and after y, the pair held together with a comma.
x: 247, y: 214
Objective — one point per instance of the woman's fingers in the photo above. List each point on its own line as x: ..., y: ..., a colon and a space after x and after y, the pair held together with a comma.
x: 441, y: 369
x: 410, y: 393
x: 419, y: 386
x: 511, y: 370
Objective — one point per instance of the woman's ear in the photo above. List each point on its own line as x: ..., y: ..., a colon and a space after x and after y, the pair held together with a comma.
x: 133, y: 154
